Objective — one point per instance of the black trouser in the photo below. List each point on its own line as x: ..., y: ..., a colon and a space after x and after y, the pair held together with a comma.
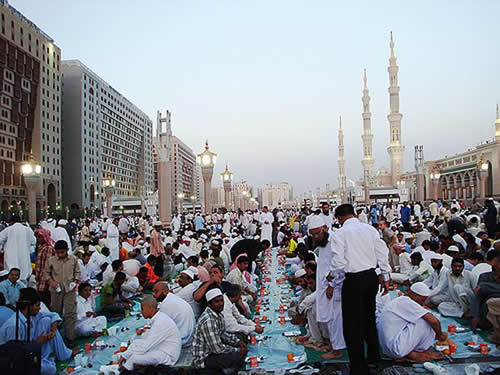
x: 158, y: 270
x: 232, y: 360
x: 358, y: 314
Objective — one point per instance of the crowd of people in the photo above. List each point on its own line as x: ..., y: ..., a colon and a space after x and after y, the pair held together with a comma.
x: 342, y: 262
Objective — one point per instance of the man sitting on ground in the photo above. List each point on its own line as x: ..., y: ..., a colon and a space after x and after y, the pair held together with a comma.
x: 11, y: 286
x: 113, y: 302
x: 177, y: 309
x: 43, y: 330
x: 187, y: 289
x: 161, y: 345
x: 459, y: 289
x: 213, y: 346
x: 235, y: 322
x: 406, y: 330
x: 87, y: 321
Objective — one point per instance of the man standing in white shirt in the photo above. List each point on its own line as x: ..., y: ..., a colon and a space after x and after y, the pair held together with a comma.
x: 357, y: 251
x: 326, y: 215
x: 328, y: 294
x: 112, y: 238
x: 266, y: 221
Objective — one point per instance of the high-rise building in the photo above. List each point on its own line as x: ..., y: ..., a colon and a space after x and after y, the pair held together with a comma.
x: 395, y: 148
x: 184, y: 173
x: 279, y: 195
x: 103, y: 134
x: 30, y: 110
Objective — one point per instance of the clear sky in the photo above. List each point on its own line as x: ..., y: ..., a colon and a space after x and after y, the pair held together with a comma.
x: 266, y: 81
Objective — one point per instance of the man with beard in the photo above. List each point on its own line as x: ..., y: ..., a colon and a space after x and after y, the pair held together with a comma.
x: 357, y: 250
x: 328, y: 298
x: 436, y: 282
x: 325, y: 215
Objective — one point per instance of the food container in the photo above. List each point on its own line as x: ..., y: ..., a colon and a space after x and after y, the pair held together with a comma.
x: 282, y: 320
x: 453, y: 348
x: 484, y: 348
x: 253, y: 339
x: 253, y: 362
x: 87, y: 347
x: 452, y: 328
x: 289, y: 357
x: 264, y: 318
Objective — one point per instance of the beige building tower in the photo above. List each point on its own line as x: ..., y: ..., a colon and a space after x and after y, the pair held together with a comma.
x: 341, y: 161
x: 395, y: 148
x: 368, y: 161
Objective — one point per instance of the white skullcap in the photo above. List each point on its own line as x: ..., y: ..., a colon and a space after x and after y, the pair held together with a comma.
x: 62, y: 222
x: 188, y: 273
x: 212, y: 293
x: 407, y: 235
x: 193, y: 269
x: 186, y: 238
x: 299, y: 273
x: 315, y: 221
x: 436, y: 256
x: 454, y: 249
x: 257, y: 237
x: 141, y: 242
x: 203, y: 236
x: 421, y: 289
x: 158, y: 223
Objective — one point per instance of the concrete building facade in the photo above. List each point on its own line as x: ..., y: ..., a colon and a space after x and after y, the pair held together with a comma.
x: 30, y: 110
x: 103, y: 134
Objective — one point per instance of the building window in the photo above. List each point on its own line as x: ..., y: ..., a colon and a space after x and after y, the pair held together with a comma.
x: 8, y: 76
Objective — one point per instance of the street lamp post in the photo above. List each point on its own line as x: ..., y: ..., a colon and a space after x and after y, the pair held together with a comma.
x: 207, y: 161
x: 109, y: 187
x: 31, y: 174
x: 181, y: 202
x: 435, y: 176
x: 193, y: 203
x: 482, y: 167
x: 227, y: 178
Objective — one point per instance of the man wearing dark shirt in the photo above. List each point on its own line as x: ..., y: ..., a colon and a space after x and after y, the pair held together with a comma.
x: 488, y: 286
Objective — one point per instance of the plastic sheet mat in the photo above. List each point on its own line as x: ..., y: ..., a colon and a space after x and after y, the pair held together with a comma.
x: 460, y: 338
x: 275, y: 348
x: 125, y: 330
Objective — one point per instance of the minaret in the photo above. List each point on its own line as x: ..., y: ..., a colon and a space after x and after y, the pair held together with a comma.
x: 368, y: 161
x: 497, y: 126
x: 341, y: 161
x: 395, y: 148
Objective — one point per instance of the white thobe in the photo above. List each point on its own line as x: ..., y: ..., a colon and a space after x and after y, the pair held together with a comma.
x: 460, y: 293
x: 405, y: 267
x: 437, y: 281
x: 84, y: 276
x: 18, y: 242
x: 234, y: 321
x: 95, y: 262
x: 328, y: 219
x: 160, y: 345
x: 60, y: 233
x: 123, y: 225
x: 402, y: 329
x: 186, y: 293
x: 176, y: 224
x: 329, y: 311
x: 226, y: 227
x: 86, y: 325
x: 182, y: 314
x: 112, y: 237
x: 186, y: 251
x: 481, y: 268
x: 266, y: 229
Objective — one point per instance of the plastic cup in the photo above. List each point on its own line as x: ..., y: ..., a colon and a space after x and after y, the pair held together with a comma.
x: 253, y: 339
x: 453, y: 349
x: 282, y: 320
x: 289, y: 356
x: 452, y: 328
x: 264, y: 318
x: 483, y: 348
x: 282, y: 309
x: 87, y: 347
x: 253, y: 362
